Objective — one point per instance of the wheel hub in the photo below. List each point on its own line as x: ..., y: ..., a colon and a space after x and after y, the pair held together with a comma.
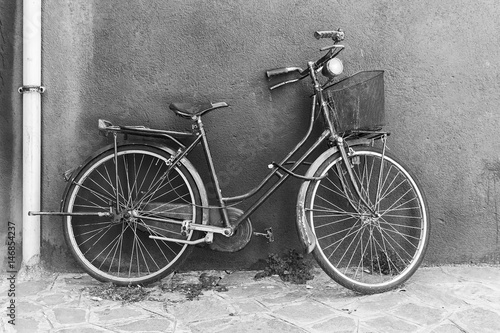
x: 125, y: 216
x: 367, y: 218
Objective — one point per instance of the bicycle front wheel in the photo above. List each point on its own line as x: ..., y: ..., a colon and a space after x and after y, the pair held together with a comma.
x: 374, y: 243
x: 139, y: 182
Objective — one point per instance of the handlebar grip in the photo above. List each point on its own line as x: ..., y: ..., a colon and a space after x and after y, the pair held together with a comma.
x: 336, y: 35
x: 281, y: 71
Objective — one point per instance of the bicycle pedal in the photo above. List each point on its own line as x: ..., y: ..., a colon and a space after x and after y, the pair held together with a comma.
x: 268, y: 234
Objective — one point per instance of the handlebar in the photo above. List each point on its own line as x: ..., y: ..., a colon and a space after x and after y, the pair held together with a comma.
x: 336, y: 35
x: 279, y: 71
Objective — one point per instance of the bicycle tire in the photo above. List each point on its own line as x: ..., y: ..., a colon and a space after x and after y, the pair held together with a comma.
x: 366, y: 252
x: 118, y: 249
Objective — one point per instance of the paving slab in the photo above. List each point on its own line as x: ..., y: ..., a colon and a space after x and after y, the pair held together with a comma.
x: 447, y: 299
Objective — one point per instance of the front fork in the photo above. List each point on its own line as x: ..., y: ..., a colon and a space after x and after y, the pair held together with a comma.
x: 372, y: 209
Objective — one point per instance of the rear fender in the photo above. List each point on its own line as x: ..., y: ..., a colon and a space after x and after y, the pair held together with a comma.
x: 73, y: 173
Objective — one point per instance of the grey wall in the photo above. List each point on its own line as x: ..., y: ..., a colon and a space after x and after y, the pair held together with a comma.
x: 126, y: 60
x: 10, y: 127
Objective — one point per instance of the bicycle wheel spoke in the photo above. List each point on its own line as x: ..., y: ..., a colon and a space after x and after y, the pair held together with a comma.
x: 164, y: 244
x: 405, y: 237
x: 114, y: 248
x: 392, y: 188
x: 385, y: 243
x: 338, y: 243
x: 160, y: 186
x: 90, y: 208
x: 393, y: 225
x: 374, y: 242
x: 157, y: 230
x: 150, y: 256
x: 346, y: 253
x: 98, y: 195
x: 94, y: 232
x: 337, y: 209
x: 117, y: 248
x: 336, y: 190
x: 360, y: 266
x: 107, y: 180
x: 364, y: 186
x: 153, y: 183
x: 101, y: 235
x: 98, y: 255
x: 393, y: 207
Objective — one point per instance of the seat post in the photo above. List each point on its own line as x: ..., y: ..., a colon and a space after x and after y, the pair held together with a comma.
x: 208, y: 155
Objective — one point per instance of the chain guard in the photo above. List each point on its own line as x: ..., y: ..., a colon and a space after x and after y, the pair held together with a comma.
x: 240, y: 237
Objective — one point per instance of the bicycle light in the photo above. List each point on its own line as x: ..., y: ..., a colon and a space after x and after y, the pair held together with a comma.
x: 333, y: 68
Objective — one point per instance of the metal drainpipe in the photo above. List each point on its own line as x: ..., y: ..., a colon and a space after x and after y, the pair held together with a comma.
x: 31, y: 91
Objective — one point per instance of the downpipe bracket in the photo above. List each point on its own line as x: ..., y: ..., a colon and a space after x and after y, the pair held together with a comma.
x: 31, y: 89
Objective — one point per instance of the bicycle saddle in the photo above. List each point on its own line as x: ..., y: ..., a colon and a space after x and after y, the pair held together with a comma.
x: 188, y: 110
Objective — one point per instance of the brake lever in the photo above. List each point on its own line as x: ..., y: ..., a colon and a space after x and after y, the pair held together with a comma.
x: 303, y: 74
x: 332, y: 47
x: 283, y: 83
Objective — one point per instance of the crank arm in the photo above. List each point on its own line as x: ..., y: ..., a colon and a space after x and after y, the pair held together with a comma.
x: 211, y: 229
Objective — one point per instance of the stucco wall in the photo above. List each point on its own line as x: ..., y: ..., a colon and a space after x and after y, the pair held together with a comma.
x: 126, y: 60
x: 10, y: 127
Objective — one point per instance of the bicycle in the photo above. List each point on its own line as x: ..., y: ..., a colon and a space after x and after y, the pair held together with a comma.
x: 133, y: 210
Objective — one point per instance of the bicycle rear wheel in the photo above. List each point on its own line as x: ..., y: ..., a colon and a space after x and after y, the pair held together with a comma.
x: 118, y: 248
x: 371, y: 245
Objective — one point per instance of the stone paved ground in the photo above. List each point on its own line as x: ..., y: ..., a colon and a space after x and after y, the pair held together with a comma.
x: 440, y: 299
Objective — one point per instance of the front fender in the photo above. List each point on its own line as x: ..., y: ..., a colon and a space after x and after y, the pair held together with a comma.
x: 304, y: 227
x: 306, y: 233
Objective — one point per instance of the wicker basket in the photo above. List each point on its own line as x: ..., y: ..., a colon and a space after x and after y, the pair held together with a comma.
x: 357, y: 102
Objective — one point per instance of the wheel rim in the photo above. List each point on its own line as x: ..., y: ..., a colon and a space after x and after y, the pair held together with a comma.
x: 119, y: 248
x: 364, y: 249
